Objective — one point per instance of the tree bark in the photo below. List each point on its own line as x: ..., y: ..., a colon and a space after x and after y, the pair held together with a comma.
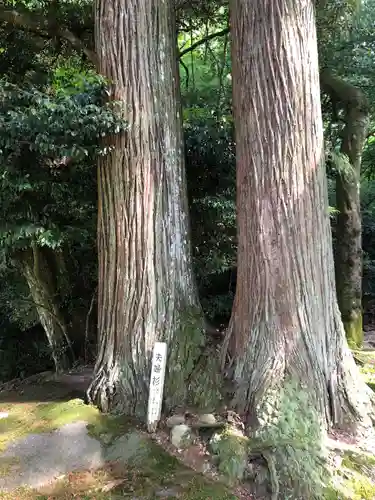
x: 146, y: 288
x: 348, y: 251
x: 285, y: 322
x: 34, y: 266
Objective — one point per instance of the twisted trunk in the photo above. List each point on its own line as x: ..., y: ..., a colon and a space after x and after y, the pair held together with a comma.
x: 285, y: 322
x: 146, y: 288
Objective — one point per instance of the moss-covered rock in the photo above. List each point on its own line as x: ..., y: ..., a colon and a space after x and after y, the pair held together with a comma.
x: 231, y: 448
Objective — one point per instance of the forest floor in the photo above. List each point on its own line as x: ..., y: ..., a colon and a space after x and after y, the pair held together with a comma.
x: 53, y: 446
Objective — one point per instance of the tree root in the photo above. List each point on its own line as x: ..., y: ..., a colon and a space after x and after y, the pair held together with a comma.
x: 275, y: 488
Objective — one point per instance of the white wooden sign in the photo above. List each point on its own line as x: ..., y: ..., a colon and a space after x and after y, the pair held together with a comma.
x: 155, y: 398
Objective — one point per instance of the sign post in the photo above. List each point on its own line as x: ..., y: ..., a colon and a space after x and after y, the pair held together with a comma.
x: 155, y: 398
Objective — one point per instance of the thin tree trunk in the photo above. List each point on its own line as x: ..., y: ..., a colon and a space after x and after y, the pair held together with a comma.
x: 35, y: 268
x: 348, y: 251
x: 285, y: 322
x: 146, y: 288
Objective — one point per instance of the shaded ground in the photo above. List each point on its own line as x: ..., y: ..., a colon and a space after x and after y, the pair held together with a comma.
x: 55, y: 447
x: 38, y: 458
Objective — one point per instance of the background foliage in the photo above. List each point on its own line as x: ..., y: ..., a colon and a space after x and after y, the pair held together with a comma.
x: 52, y: 117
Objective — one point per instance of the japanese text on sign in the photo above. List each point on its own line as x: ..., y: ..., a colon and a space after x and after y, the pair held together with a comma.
x: 155, y: 400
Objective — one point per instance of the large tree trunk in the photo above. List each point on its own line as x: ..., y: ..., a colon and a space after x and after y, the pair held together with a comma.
x: 285, y: 323
x: 348, y: 250
x: 146, y: 288
x: 35, y: 267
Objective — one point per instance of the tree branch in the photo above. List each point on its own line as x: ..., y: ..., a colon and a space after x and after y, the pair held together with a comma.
x: 342, y: 92
x: 204, y: 40
x: 41, y: 26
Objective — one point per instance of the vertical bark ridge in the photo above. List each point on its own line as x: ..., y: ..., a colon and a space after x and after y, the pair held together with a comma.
x: 285, y: 320
x: 145, y: 276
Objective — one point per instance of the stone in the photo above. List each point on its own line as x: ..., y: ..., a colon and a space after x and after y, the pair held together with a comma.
x: 131, y: 448
x: 231, y: 447
x: 206, y: 467
x: 207, y: 419
x: 175, y: 420
x: 106, y: 438
x: 181, y: 436
x: 218, y: 436
x: 167, y: 492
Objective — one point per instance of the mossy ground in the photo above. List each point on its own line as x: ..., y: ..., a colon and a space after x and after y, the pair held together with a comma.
x: 38, y: 409
x: 47, y: 406
x: 355, y: 477
x: 366, y: 361
x: 126, y: 483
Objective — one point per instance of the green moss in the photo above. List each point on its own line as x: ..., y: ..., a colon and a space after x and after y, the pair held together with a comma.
x: 365, y: 357
x: 358, y: 462
x: 59, y: 414
x: 366, y: 361
x: 193, y: 374
x: 182, y: 358
x: 200, y: 489
x: 232, y: 450
x: 29, y: 418
x: 161, y: 463
x: 352, y: 480
x: 354, y: 331
x: 362, y: 488
x: 207, y: 383
x: 143, y: 468
x: 108, y: 427
x: 330, y: 493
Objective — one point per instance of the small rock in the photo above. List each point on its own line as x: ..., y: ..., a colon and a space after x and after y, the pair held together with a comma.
x: 113, y: 484
x: 168, y: 492
x: 175, y: 420
x: 4, y: 414
x: 206, y: 467
x: 106, y: 438
x: 207, y: 419
x: 218, y: 436
x: 181, y: 436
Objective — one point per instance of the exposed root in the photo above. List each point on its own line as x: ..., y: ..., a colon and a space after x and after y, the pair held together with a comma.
x: 271, y: 463
x: 97, y: 392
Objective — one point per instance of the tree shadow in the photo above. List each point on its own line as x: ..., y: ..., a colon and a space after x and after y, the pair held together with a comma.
x: 45, y: 392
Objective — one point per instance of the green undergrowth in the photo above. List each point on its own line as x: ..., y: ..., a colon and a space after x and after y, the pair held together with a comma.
x: 354, y: 479
x: 136, y: 466
x: 366, y: 362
